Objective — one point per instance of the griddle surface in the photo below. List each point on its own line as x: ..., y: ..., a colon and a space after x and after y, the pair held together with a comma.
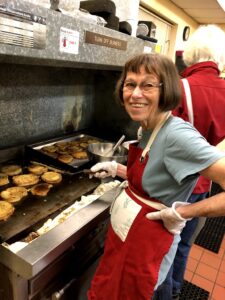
x: 33, y: 209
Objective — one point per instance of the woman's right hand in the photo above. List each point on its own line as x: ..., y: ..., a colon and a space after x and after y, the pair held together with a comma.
x: 104, y: 169
x: 172, y: 220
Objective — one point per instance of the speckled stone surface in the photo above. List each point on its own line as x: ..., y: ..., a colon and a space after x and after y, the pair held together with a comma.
x: 94, y: 55
x: 42, y: 102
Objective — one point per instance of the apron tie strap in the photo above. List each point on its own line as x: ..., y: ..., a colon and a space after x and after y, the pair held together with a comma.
x: 153, y: 136
x: 153, y: 204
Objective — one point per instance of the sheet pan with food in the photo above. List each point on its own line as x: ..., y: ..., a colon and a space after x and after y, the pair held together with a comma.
x: 68, y: 154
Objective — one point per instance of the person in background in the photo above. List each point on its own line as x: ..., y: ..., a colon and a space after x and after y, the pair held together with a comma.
x: 204, y: 60
x: 161, y: 172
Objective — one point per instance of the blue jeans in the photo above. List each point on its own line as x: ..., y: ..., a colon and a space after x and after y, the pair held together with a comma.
x: 174, y: 280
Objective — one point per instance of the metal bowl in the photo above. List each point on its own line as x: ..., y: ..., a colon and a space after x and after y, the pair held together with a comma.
x: 96, y: 152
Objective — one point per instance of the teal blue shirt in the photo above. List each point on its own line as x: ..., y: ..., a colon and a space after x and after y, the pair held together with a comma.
x: 176, y: 157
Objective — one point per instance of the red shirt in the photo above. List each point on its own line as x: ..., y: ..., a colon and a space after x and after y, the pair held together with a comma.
x: 208, y: 100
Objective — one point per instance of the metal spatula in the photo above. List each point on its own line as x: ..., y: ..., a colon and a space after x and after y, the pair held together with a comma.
x: 110, y: 152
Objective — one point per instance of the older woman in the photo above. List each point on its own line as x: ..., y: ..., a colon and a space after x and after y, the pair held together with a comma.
x: 162, y: 171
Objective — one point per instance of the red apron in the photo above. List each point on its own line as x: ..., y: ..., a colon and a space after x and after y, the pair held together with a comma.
x: 129, y: 269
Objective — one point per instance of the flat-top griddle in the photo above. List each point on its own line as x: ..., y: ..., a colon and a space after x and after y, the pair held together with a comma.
x: 33, y: 211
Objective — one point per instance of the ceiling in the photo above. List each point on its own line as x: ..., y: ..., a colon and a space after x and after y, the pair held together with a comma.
x: 202, y: 11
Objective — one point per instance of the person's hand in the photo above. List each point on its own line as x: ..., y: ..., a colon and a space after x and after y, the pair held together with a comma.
x: 172, y: 220
x: 104, y: 169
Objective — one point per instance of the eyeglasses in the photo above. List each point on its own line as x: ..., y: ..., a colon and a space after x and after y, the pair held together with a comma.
x: 144, y: 87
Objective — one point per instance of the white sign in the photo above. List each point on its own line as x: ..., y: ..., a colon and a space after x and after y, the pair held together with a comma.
x: 147, y: 49
x: 69, y: 40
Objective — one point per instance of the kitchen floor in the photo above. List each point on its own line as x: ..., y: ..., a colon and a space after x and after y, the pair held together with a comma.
x: 206, y: 269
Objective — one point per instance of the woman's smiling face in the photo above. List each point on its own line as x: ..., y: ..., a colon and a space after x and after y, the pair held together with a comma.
x: 141, y: 92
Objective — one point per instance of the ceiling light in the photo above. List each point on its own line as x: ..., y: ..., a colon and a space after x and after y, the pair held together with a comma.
x: 222, y: 4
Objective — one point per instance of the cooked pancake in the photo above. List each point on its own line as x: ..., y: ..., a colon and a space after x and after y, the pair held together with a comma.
x: 73, y: 149
x: 49, y: 148
x: 65, y: 158
x: 14, y: 194
x: 6, y: 210
x: 61, y: 144
x: 62, y: 151
x: 80, y: 154
x: 51, y: 177
x: 74, y: 143
x: 25, y: 180
x: 11, y: 170
x: 84, y: 145
x: 92, y: 141
x: 41, y: 189
x: 37, y: 169
x: 4, y: 179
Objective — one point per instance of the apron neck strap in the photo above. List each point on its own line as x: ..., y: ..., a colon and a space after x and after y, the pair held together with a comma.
x: 153, y: 136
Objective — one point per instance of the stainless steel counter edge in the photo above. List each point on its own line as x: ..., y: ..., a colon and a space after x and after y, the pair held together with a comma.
x: 32, y: 259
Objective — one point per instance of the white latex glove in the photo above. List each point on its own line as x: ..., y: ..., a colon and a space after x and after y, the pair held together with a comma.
x: 104, y: 169
x: 172, y: 220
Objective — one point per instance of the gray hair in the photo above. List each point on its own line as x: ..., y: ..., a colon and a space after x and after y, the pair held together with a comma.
x: 207, y: 43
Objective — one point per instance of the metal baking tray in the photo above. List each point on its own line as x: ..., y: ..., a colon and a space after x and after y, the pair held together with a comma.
x: 33, y: 154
